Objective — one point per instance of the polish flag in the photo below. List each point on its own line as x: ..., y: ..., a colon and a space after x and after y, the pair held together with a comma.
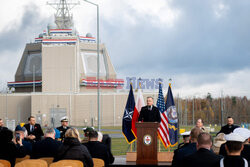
x: 139, y: 103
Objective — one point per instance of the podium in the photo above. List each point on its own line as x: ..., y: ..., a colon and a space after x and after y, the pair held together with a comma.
x: 147, y: 143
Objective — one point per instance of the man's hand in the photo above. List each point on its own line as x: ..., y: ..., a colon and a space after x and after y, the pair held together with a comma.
x: 31, y: 137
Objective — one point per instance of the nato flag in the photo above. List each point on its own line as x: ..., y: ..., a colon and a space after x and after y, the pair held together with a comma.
x: 127, y: 117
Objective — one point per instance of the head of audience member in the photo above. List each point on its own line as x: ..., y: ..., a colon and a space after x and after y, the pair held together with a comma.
x: 21, y: 131
x: 32, y: 120
x: 87, y: 130
x: 64, y: 122
x: 219, y: 140
x: 72, y: 133
x: 1, y: 123
x: 230, y: 121
x: 100, y: 136
x: 93, y: 136
x: 186, y: 137
x: 243, y: 132
x: 199, y: 123
x: 6, y: 136
x: 50, y: 132
x: 204, y: 141
x: 194, y: 134
x: 234, y: 144
x: 150, y: 101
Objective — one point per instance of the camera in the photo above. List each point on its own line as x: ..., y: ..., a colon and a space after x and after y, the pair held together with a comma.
x: 17, y: 137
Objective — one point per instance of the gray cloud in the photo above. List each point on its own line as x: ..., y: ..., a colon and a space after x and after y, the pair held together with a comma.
x: 199, y: 43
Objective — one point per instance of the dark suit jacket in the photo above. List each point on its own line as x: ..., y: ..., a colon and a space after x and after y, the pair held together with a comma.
x: 47, y: 147
x: 227, y: 129
x: 179, y: 154
x: 38, y: 132
x: 100, y: 150
x: 149, y: 116
x: 201, y: 158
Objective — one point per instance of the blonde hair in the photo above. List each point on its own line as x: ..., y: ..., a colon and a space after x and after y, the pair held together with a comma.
x: 72, y: 132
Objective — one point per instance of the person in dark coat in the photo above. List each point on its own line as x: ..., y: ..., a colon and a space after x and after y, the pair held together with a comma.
x: 47, y: 147
x: 245, y: 153
x: 73, y: 149
x: 2, y: 125
x: 8, y: 150
x: 179, y: 154
x: 203, y: 157
x: 34, y: 130
x: 21, y: 132
x: 234, y: 146
x: 186, y: 137
x: 149, y: 113
x: 64, y: 127
x: 98, y: 149
x: 229, y: 128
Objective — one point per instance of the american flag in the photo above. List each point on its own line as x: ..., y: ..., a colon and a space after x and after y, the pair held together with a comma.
x: 163, y: 130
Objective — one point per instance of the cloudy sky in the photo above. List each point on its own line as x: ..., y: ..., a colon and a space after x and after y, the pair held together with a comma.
x: 204, y: 46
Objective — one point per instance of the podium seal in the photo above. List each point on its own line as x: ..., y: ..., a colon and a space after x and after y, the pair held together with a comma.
x: 147, y: 140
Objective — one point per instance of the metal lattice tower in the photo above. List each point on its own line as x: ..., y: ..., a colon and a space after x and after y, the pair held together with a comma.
x: 63, y: 17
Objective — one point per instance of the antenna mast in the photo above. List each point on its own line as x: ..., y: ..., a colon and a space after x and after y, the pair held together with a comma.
x: 63, y: 17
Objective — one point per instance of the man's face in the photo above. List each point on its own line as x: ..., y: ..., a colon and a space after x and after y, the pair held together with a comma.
x: 1, y: 123
x: 32, y: 121
x: 150, y: 101
x: 199, y: 123
x: 65, y: 123
x: 230, y: 121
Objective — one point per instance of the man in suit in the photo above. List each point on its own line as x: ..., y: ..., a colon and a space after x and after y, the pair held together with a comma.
x: 64, y: 127
x: 2, y: 125
x: 149, y: 113
x: 179, y: 154
x: 229, y: 128
x: 47, y: 147
x: 203, y: 156
x: 34, y: 130
x: 98, y: 149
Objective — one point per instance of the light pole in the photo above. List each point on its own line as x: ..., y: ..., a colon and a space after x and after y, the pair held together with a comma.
x: 98, y: 64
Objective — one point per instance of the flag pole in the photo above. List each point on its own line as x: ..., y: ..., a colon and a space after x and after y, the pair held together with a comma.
x: 159, y: 145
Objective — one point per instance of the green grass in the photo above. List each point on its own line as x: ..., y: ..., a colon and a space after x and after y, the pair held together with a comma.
x: 119, y: 146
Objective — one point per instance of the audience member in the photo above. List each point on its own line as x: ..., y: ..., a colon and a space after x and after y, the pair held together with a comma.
x: 47, y: 147
x: 35, y: 131
x: 98, y: 149
x: 86, y: 131
x: 64, y: 127
x: 21, y: 132
x: 188, y: 150
x: 203, y: 157
x: 186, y: 137
x: 73, y: 149
x: 234, y: 146
x: 218, y: 141
x: 2, y: 125
x: 8, y: 149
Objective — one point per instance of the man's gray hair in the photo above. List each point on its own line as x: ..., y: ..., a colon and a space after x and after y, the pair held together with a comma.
x: 50, y: 131
x: 150, y: 97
